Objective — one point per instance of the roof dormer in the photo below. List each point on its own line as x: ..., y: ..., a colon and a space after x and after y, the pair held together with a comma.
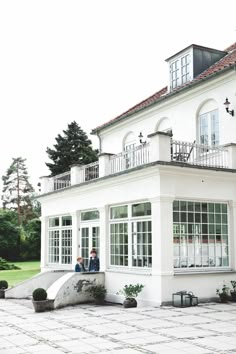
x: 185, y: 65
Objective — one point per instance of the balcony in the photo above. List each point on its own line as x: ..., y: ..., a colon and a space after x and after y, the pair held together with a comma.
x: 160, y: 148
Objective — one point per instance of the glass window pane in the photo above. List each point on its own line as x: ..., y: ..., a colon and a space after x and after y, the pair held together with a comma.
x: 66, y: 220
x: 141, y: 209
x: 90, y: 215
x: 119, y: 212
x: 54, y: 222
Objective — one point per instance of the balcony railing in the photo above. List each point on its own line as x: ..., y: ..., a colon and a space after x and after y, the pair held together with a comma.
x: 160, y: 148
x: 197, y: 154
x: 62, y: 181
x: 129, y: 159
x: 90, y: 171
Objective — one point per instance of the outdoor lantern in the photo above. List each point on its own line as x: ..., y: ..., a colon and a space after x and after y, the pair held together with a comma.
x: 184, y: 299
x: 141, y: 138
x: 227, y: 103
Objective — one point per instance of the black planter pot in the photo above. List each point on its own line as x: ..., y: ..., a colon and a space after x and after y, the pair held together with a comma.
x: 99, y: 300
x: 2, y: 293
x: 130, y: 302
x: 233, y: 296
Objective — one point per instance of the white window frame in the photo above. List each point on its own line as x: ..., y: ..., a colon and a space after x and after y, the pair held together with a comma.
x: 129, y: 220
x: 209, y: 116
x: 180, y: 72
x: 202, y: 269
x: 60, y: 229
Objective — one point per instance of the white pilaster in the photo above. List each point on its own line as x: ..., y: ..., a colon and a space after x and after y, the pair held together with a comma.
x: 160, y: 146
x: 44, y: 242
x: 104, y: 164
x: 232, y: 233
x: 46, y: 184
x: 76, y: 172
x: 104, y: 238
x: 231, y: 155
x: 162, y: 235
x: 75, y: 237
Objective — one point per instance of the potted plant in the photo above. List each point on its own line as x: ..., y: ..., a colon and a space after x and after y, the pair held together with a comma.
x: 223, y: 293
x: 40, y: 301
x: 131, y: 292
x: 98, y: 292
x: 3, y: 287
x: 233, y: 292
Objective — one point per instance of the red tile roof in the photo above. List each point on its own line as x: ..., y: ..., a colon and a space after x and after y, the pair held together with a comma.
x: 228, y: 61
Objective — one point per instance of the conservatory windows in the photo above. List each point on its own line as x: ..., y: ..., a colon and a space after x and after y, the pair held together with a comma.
x: 200, y: 234
x: 131, y: 235
x: 60, y: 240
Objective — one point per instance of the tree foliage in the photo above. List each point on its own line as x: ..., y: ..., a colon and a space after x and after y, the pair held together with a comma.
x: 9, y: 235
x: 17, y: 190
x: 73, y: 147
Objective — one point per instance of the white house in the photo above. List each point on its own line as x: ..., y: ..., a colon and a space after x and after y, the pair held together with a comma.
x: 160, y: 204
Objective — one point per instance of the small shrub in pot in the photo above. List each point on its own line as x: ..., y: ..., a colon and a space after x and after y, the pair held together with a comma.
x: 40, y: 301
x: 233, y: 292
x: 98, y: 292
x: 223, y: 293
x: 131, y: 292
x: 3, y: 287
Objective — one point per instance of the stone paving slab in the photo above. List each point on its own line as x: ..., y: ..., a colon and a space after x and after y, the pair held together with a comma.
x: 84, y: 329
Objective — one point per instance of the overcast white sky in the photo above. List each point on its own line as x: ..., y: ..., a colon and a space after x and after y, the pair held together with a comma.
x: 90, y: 60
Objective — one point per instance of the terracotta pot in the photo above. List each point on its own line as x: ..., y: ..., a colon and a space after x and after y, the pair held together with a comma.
x: 233, y: 296
x: 130, y: 302
x: 2, y: 293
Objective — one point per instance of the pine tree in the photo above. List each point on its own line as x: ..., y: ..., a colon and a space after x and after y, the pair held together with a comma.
x: 73, y: 147
x: 17, y: 190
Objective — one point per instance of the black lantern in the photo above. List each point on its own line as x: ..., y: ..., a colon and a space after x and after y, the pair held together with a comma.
x: 227, y: 103
x: 141, y: 138
x: 184, y: 299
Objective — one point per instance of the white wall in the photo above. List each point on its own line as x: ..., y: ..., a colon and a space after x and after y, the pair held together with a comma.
x: 182, y: 110
x: 161, y: 185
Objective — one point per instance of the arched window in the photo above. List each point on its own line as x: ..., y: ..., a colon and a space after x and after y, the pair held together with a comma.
x: 208, y: 124
x: 164, y: 125
x: 129, y: 142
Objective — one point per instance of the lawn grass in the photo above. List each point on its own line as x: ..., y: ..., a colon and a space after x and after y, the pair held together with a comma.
x: 28, y: 269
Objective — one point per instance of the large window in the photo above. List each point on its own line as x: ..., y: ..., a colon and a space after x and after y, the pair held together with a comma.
x: 200, y: 234
x: 60, y: 240
x: 209, y: 128
x: 131, y: 235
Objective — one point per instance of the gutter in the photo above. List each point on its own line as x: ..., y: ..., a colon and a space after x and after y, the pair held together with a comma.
x: 170, y: 95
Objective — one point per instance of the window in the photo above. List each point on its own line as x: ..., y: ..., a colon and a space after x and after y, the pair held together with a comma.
x: 90, y: 215
x: 119, y: 244
x: 200, y: 234
x: 129, y: 148
x: 60, y: 240
x: 209, y: 128
x: 180, y: 71
x: 142, y: 244
x: 131, y: 236
x: 119, y: 212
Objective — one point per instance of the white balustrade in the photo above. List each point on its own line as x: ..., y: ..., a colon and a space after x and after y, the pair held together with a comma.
x: 61, y: 181
x: 199, y: 154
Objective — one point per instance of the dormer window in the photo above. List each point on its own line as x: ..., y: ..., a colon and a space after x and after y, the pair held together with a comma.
x: 185, y: 65
x: 180, y: 71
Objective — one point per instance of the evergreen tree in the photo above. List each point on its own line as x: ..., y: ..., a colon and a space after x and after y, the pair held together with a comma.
x: 73, y: 147
x: 17, y: 190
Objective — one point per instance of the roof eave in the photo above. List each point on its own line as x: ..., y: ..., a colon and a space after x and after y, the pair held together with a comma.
x: 164, y: 97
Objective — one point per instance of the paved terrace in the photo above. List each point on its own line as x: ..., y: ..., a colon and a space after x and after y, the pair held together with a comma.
x: 209, y: 328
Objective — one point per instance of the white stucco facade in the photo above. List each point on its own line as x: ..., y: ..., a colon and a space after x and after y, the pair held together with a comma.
x: 188, y: 233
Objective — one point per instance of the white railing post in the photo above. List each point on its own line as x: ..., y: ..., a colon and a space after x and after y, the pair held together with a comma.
x: 104, y: 164
x: 231, y: 156
x: 75, y: 172
x: 46, y: 184
x: 160, y: 146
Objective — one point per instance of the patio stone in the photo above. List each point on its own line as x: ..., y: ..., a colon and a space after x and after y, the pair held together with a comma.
x: 87, y: 329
